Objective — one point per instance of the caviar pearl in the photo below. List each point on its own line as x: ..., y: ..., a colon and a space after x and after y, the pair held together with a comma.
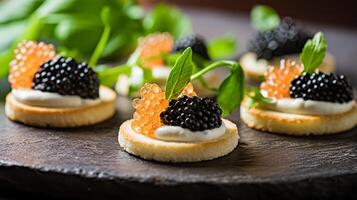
x: 286, y: 39
x: 67, y: 77
x: 194, y: 113
x: 322, y: 87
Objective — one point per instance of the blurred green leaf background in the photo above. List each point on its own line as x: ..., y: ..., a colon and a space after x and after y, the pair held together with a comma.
x: 75, y: 26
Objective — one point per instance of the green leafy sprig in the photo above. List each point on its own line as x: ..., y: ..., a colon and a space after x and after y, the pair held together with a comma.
x: 314, y: 53
x: 222, y: 47
x: 75, y: 27
x: 180, y: 75
x: 105, y: 17
x: 230, y: 93
x: 264, y: 18
x: 226, y: 44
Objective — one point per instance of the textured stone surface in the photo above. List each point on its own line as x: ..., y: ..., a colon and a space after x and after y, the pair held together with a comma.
x: 89, y: 163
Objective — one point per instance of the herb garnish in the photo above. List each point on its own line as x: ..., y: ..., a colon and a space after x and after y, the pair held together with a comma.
x: 313, y: 53
x: 180, y: 75
x: 264, y: 18
x: 222, y: 47
x: 75, y: 26
x: 105, y: 14
x: 225, y: 43
x: 230, y: 93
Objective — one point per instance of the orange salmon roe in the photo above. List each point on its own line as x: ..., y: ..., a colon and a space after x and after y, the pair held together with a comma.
x: 188, y: 91
x: 152, y: 102
x: 152, y: 47
x: 278, y: 79
x: 29, y: 56
x: 148, y: 107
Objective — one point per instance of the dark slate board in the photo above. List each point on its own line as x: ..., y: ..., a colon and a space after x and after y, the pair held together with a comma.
x: 88, y: 162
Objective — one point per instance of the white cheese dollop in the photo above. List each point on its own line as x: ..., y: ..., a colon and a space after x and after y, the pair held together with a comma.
x: 179, y: 134
x: 310, y: 107
x: 49, y: 99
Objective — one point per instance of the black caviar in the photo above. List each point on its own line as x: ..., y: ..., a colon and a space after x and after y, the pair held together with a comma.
x: 194, y: 113
x: 67, y: 77
x: 322, y: 87
x: 286, y: 39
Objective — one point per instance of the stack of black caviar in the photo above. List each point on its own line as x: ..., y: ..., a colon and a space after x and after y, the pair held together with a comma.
x: 194, y: 113
x: 286, y: 39
x: 67, y: 77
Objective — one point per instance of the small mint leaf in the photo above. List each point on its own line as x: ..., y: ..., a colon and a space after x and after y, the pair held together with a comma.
x: 264, y: 18
x: 231, y: 91
x: 313, y: 53
x: 222, y: 47
x: 179, y: 75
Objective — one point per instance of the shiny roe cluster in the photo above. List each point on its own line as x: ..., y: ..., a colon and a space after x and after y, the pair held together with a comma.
x: 29, y: 56
x: 152, y: 47
x: 150, y: 105
x: 278, y: 79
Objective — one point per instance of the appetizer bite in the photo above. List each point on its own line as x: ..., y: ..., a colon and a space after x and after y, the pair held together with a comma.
x: 274, y: 41
x: 297, y: 99
x: 153, y: 57
x: 49, y: 90
x: 176, y: 125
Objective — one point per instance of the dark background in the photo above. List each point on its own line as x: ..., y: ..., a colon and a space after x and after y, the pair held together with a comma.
x: 341, y: 13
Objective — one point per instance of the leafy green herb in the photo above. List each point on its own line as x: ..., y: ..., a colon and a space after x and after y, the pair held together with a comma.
x: 222, y: 47
x: 313, y: 53
x: 179, y: 75
x: 231, y: 90
x: 264, y: 18
x: 164, y: 18
x: 256, y: 98
x: 74, y: 26
x: 105, y: 14
x: 212, y: 66
x: 199, y: 61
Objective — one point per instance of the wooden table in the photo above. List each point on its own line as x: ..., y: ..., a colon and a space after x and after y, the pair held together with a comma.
x: 88, y: 162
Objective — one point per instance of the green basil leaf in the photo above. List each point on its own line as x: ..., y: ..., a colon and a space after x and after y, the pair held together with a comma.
x: 108, y: 76
x: 256, y: 98
x: 264, y: 18
x: 222, y: 47
x: 79, y: 24
x: 179, y: 75
x: 313, y: 53
x: 231, y: 91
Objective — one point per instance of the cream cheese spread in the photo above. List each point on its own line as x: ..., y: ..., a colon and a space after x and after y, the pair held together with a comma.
x: 179, y: 134
x: 50, y: 99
